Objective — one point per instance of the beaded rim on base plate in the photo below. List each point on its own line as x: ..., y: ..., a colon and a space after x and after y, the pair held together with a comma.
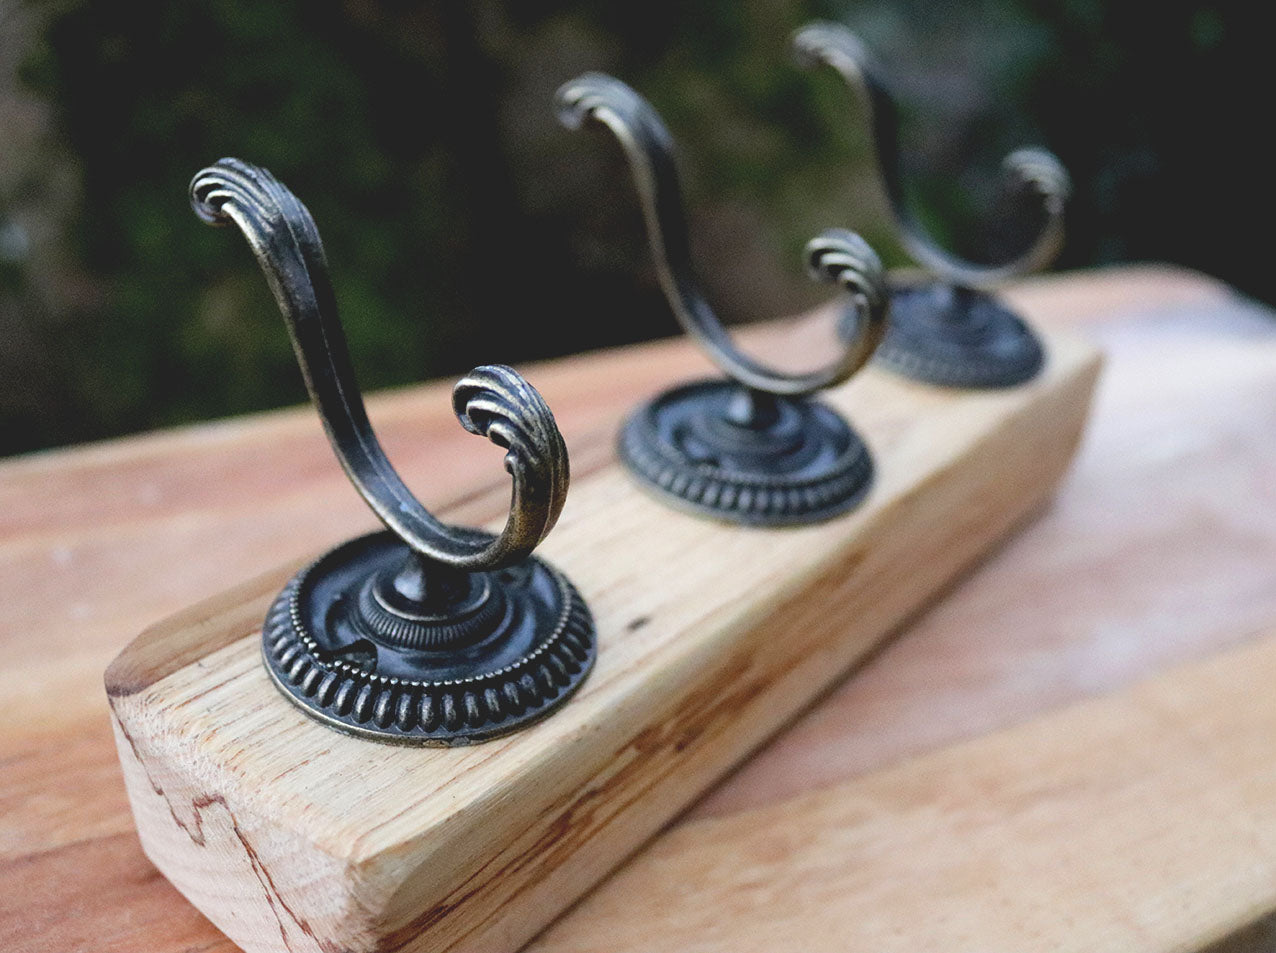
x: 736, y: 495
x: 980, y: 344
x: 444, y: 712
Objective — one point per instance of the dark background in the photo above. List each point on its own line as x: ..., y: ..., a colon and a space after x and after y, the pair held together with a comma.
x: 465, y: 226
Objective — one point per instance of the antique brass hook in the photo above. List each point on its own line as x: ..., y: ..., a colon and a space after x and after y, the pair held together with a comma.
x: 428, y: 633
x: 752, y: 449
x: 950, y: 332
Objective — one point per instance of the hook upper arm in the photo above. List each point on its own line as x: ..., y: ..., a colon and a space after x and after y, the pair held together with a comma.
x: 1034, y: 171
x: 492, y: 401
x: 648, y: 149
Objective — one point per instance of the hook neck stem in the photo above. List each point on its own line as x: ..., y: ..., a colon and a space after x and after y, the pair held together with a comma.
x: 754, y: 409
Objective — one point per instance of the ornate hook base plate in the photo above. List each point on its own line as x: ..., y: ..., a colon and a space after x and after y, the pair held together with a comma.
x: 796, y: 462
x: 956, y: 337
x: 512, y: 647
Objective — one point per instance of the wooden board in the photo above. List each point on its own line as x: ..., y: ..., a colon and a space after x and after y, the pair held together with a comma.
x: 98, y: 542
x: 1171, y: 496
x: 292, y: 837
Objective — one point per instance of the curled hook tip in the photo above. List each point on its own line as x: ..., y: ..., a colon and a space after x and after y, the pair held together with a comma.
x: 1041, y: 171
x: 826, y: 42
x: 496, y: 402
x: 835, y: 254
x: 207, y: 182
x: 569, y: 104
x: 613, y: 103
x: 842, y: 257
x: 577, y: 98
x: 230, y: 179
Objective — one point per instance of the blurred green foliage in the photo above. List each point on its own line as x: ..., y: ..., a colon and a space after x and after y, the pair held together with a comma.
x: 464, y: 226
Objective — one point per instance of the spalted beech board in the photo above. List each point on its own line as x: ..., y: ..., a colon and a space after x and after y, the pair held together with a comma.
x: 290, y: 836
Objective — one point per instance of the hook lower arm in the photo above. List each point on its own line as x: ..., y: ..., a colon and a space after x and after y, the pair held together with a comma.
x: 492, y: 401
x: 648, y: 149
x: 1032, y: 171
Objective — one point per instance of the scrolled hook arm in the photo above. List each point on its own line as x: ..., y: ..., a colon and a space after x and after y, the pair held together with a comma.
x: 840, y: 257
x: 1032, y: 171
x: 492, y: 401
x: 649, y: 150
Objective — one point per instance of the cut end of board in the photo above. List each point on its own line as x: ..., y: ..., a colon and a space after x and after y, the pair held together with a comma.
x: 293, y: 837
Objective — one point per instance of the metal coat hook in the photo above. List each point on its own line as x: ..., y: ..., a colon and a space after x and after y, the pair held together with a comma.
x: 950, y: 332
x: 751, y: 449
x: 426, y: 633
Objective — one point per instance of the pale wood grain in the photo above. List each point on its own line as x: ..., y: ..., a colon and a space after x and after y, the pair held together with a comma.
x: 98, y: 542
x: 710, y: 638
x: 1143, y: 821
x: 1062, y: 301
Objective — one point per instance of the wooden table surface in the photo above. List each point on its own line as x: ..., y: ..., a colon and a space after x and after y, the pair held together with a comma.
x: 1160, y: 550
